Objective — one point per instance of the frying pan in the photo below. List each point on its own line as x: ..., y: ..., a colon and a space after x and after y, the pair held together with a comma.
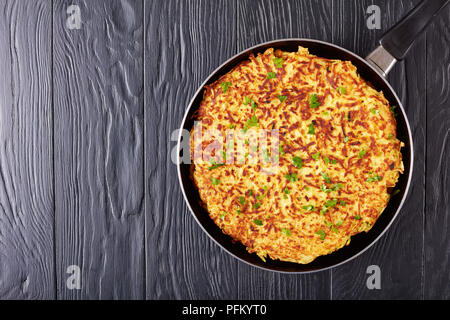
x: 393, y: 46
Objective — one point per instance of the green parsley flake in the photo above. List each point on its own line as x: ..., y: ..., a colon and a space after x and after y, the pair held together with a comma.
x: 286, y: 232
x: 374, y: 178
x: 215, y: 181
x: 331, y: 203
x: 316, y: 155
x: 361, y: 153
x: 337, y: 186
x: 278, y: 62
x: 321, y: 233
x: 241, y: 200
x: 282, y: 98
x: 258, y: 222
x: 314, y: 101
x: 325, y: 177
x: 341, y: 90
x: 215, y: 166
x: 292, y: 177
x: 297, y: 161
x: 252, y: 122
x: 311, y: 129
x: 225, y: 86
x: 271, y: 75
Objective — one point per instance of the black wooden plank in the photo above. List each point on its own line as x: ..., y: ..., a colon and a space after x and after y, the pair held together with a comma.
x: 98, y: 79
x: 185, y: 41
x: 437, y: 224
x: 261, y: 21
x: 26, y: 164
x: 399, y: 252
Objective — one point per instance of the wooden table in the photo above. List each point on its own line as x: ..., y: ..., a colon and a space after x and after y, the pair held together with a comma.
x: 86, y: 177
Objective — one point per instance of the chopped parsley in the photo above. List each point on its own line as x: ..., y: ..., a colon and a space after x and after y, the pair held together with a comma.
x: 321, y: 233
x: 325, y: 189
x: 286, y: 191
x: 282, y: 98
x: 280, y: 149
x: 357, y: 217
x: 241, y: 200
x: 249, y: 101
x: 374, y: 178
x: 346, y: 139
x: 271, y: 75
x: 331, y: 203
x: 374, y: 111
x: 361, y: 153
x: 325, y: 177
x: 309, y: 208
x: 393, y: 110
x: 252, y: 122
x: 258, y: 222
x: 297, y: 161
x: 313, y: 101
x: 225, y: 86
x: 222, y: 216
x: 316, y: 156
x: 311, y: 129
x: 341, y: 90
x: 342, y: 203
x: 215, y: 166
x: 337, y: 186
x: 292, y: 177
x: 278, y: 62
x: 286, y: 232
x: 231, y: 126
x: 215, y: 181
x: 326, y: 159
x: 257, y: 205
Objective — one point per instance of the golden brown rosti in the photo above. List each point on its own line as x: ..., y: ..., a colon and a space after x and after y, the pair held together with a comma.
x: 328, y: 178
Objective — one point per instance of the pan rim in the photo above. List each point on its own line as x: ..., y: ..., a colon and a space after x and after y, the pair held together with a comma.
x: 324, y: 43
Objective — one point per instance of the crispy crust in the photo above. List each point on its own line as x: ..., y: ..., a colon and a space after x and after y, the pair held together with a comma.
x: 354, y: 132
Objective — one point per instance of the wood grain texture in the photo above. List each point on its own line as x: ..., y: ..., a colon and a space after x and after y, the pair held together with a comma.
x: 399, y: 252
x: 98, y: 88
x: 185, y: 41
x: 257, y: 22
x: 437, y: 224
x: 26, y: 171
x: 86, y: 123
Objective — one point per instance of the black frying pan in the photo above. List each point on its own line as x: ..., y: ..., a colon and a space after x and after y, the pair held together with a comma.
x: 393, y: 46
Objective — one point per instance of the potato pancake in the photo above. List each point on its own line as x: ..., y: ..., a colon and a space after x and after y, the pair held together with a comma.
x: 327, y: 176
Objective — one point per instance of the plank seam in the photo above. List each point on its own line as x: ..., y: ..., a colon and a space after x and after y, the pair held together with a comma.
x: 144, y: 148
x: 52, y: 97
x: 424, y: 209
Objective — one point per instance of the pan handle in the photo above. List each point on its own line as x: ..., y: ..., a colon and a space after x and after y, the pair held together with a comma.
x: 398, y: 40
